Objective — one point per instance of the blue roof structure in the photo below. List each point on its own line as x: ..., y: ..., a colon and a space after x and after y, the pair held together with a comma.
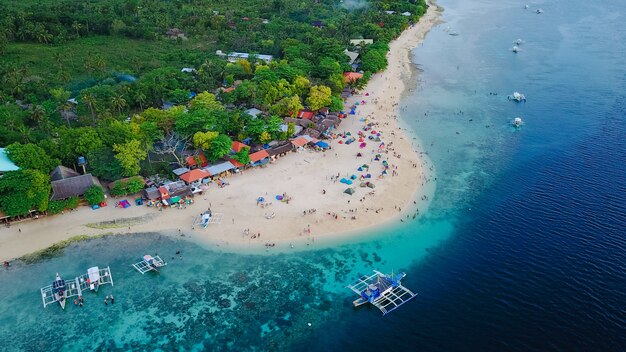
x: 322, y: 145
x: 5, y: 163
x: 219, y: 168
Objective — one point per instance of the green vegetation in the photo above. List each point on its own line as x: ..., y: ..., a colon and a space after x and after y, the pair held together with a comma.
x: 89, y: 79
x: 58, y: 206
x: 54, y: 250
x: 128, y: 186
x: 94, y: 195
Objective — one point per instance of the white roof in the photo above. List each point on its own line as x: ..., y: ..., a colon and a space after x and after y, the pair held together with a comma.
x: 352, y: 55
x: 94, y: 274
x: 254, y: 112
x: 188, y: 69
x: 390, y: 12
x: 237, y: 55
x: 406, y: 14
x: 219, y: 168
x: 361, y: 41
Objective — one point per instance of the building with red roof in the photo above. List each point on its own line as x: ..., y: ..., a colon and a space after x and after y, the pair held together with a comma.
x: 238, y: 146
x: 352, y: 77
x: 191, y: 160
x: 259, y: 158
x: 299, y: 142
x: 194, y: 175
x: 303, y: 114
x: 236, y: 163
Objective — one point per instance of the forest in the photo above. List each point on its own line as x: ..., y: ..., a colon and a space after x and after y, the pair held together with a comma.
x: 104, y: 79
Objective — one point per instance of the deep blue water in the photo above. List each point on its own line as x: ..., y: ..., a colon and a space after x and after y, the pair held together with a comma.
x: 523, y: 248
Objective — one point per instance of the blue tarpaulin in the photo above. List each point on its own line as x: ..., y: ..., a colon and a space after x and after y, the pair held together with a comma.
x: 322, y: 145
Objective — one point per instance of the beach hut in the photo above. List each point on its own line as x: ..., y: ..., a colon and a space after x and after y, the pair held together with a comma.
x: 349, y: 191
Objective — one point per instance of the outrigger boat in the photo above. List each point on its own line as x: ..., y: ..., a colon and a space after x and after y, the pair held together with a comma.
x: 517, y: 122
x: 517, y: 96
x: 59, y: 291
x: 383, y: 291
x: 95, y: 278
x: 149, y: 263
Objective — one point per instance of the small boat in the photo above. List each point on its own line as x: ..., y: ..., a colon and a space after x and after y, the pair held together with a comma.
x: 539, y: 11
x: 518, y: 42
x: 518, y: 97
x: 58, y: 289
x: 95, y: 278
x: 383, y: 291
x: 525, y: 7
x: 149, y: 263
x: 453, y: 33
x: 517, y: 122
x: 515, y: 49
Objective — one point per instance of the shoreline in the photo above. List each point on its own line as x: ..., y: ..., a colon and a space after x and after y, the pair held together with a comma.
x: 306, y: 176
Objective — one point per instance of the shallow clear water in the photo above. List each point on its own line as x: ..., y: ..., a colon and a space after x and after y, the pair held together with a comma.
x: 522, y: 249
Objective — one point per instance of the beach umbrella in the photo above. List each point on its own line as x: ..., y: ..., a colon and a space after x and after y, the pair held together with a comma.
x: 260, y: 199
x: 357, y: 103
x: 359, y: 169
x: 371, y: 185
x: 348, y: 134
x: 365, y: 166
x: 384, y: 172
x: 349, y: 191
x: 340, y: 142
x: 279, y: 197
x: 368, y: 176
x: 353, y: 177
x: 359, y: 154
x: 363, y: 145
x: 361, y: 139
x: 377, y: 139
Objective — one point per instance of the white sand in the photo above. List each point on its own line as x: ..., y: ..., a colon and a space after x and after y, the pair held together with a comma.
x: 303, y: 176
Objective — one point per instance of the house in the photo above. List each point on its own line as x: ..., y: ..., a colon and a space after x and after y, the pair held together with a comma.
x: 179, y: 171
x: 235, y: 56
x: 299, y: 142
x: 236, y: 164
x: 237, y: 147
x: 169, y: 190
x: 353, y: 55
x: 174, y: 33
x: 254, y: 112
x: 259, y: 158
x: 352, y: 77
x: 195, y: 176
x: 192, y: 160
x: 311, y: 132
x: 280, y: 150
x: 317, y: 24
x: 303, y: 114
x: 325, y: 126
x: 68, y: 183
x: 362, y: 42
x: 218, y: 170
x: 296, y: 128
x: 5, y: 163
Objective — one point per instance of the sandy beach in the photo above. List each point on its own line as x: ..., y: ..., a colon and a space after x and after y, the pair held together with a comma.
x: 318, y: 209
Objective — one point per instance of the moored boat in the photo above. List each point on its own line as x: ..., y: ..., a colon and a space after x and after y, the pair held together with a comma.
x: 58, y: 289
x: 517, y: 96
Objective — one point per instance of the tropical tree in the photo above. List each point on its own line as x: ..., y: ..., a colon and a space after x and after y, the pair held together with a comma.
x: 94, y: 195
x: 129, y: 155
x: 319, y: 97
x: 24, y: 190
x: 31, y: 156
x: 203, y: 140
x: 118, y: 102
x: 242, y: 156
x: 219, y: 147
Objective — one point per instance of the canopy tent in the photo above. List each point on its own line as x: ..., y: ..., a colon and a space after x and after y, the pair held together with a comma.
x: 353, y: 177
x: 346, y: 181
x: 124, y: 204
x: 362, y: 145
x: 349, y: 191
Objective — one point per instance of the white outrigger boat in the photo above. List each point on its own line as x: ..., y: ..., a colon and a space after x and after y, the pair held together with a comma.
x: 149, y: 263
x: 518, y: 42
x: 95, y: 278
x: 383, y: 291
x: 517, y: 122
x: 515, y: 49
x: 59, y: 291
x: 517, y: 96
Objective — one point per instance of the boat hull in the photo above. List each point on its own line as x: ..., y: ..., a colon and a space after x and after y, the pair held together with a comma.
x: 359, y: 302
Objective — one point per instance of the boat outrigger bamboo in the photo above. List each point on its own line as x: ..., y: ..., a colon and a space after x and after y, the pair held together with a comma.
x: 59, y: 291
x: 95, y: 278
x: 149, y: 263
x: 385, y: 292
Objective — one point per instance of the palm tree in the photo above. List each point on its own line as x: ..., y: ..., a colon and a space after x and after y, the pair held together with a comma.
x: 37, y: 113
x: 46, y: 125
x: 25, y: 133
x: 92, y: 104
x: 119, y: 103
x: 77, y: 26
x: 141, y: 99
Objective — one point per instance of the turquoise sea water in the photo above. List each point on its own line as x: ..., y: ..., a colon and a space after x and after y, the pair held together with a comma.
x: 522, y: 248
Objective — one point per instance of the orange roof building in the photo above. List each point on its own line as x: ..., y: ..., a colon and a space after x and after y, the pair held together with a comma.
x: 352, y: 77
x: 299, y: 142
x: 235, y: 163
x: 238, y: 146
x: 191, y: 160
x: 194, y: 175
x: 307, y: 115
x: 260, y: 155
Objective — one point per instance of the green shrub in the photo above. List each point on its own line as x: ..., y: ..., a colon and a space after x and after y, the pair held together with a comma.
x: 94, y: 195
x: 57, y: 206
x: 134, y: 185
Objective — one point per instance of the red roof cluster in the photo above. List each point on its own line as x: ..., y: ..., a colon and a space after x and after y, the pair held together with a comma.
x: 238, y: 146
x: 194, y: 175
x: 260, y: 155
x: 352, y: 76
x: 191, y: 160
x: 302, y: 114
